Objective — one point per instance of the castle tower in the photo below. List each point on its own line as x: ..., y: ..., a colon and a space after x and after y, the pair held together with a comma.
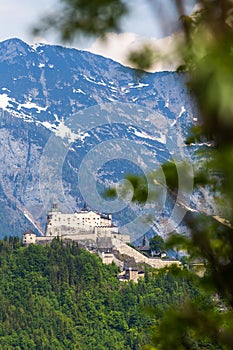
x: 52, y: 214
x: 84, y: 209
x: 54, y: 207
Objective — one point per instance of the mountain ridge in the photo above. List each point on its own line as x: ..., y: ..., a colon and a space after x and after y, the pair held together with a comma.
x: 43, y: 90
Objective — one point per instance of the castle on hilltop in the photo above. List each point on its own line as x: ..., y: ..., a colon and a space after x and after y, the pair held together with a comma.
x: 96, y: 233
x: 78, y: 222
x: 86, y: 226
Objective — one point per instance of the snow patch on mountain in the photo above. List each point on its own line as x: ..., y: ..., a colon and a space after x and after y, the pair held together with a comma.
x: 11, y: 105
x: 140, y: 85
x: 4, y: 101
x: 93, y: 80
x: 79, y: 91
x: 65, y: 132
x: 47, y: 125
x: 142, y: 134
x: 183, y: 110
x: 30, y: 105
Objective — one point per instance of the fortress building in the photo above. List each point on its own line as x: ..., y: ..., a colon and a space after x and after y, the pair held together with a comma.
x: 87, y: 227
x: 96, y: 233
x: 78, y: 222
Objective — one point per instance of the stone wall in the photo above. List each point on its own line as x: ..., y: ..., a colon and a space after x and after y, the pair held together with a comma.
x: 157, y: 263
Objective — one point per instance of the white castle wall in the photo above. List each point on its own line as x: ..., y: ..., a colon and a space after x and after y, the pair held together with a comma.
x: 88, y: 227
x: 29, y: 238
x: 81, y: 225
x: 59, y: 222
x: 140, y: 258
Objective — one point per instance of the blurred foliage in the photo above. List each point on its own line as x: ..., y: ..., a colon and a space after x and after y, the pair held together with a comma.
x: 142, y: 58
x: 134, y: 184
x: 207, y: 56
x: 171, y: 175
x: 110, y: 193
x: 140, y: 187
x: 157, y: 243
x: 195, y: 135
x: 93, y: 18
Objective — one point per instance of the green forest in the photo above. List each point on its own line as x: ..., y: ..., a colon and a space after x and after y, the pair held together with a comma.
x: 60, y: 296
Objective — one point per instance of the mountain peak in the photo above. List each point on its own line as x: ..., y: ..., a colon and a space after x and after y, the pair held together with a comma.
x: 12, y: 48
x: 14, y: 40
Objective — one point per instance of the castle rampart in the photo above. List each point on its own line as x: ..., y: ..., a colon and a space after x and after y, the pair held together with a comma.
x: 93, y: 231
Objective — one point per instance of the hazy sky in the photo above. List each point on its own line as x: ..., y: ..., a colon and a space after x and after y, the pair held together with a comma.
x: 17, y: 17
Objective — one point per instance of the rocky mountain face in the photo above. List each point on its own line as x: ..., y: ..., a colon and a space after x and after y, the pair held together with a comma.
x: 74, y: 123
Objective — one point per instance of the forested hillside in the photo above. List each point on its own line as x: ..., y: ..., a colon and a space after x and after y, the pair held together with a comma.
x: 62, y: 297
